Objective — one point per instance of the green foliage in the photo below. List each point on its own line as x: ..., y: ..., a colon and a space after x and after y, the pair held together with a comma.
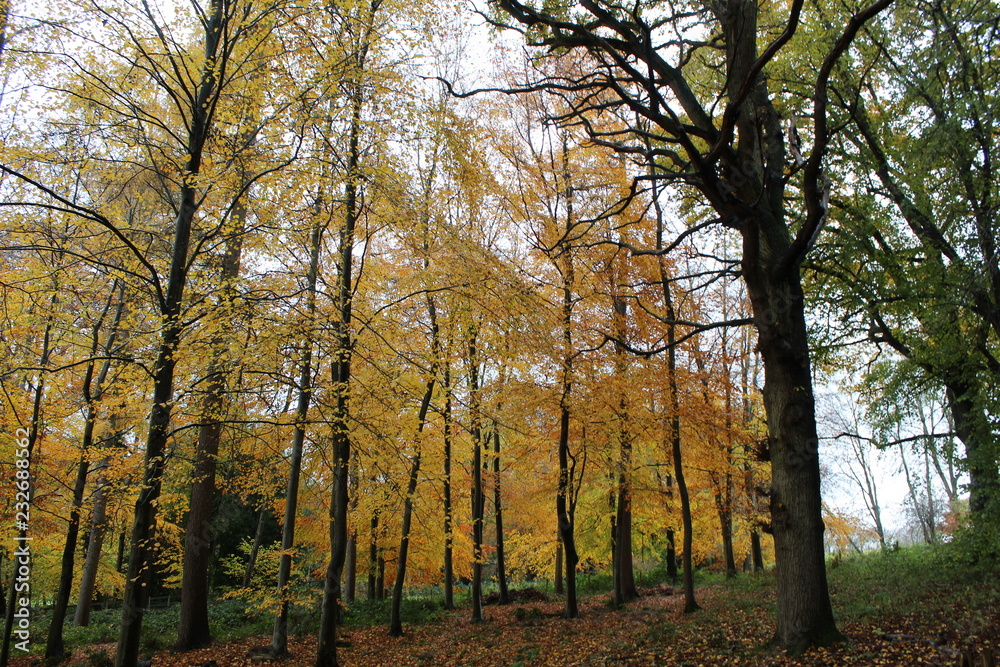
x: 414, y: 611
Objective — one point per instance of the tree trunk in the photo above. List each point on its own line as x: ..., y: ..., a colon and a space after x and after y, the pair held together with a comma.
x: 498, y: 511
x: 671, y: 556
x: 351, y: 568
x: 395, y: 621
x: 478, y: 497
x: 326, y: 649
x: 54, y: 647
x: 95, y: 545
x: 559, y: 589
x: 756, y: 554
x: 805, y: 616
x: 564, y: 513
x: 674, y: 430
x: 193, y: 630
x: 143, y: 531
x: 279, y: 637
x: 449, y: 574
x: 255, y: 548
x: 373, y: 551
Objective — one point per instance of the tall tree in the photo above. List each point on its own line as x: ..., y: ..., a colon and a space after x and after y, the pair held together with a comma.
x: 92, y: 389
x: 361, y: 31
x: 925, y: 216
x: 643, y: 62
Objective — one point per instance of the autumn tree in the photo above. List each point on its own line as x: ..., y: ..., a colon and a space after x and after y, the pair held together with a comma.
x: 735, y: 157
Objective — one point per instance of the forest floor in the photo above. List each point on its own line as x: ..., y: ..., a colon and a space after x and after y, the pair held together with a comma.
x: 891, y: 611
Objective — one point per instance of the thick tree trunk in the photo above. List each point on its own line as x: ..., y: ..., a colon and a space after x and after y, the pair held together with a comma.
x: 193, y: 630
x: 625, y: 590
x: 972, y: 428
x: 756, y: 553
x: 671, y: 556
x: 805, y: 615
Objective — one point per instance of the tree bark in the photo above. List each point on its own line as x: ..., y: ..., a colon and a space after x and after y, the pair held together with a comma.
x: 54, y: 646
x: 498, y: 512
x: 95, y: 545
x: 559, y: 588
x: 140, y: 560
x: 478, y: 497
x: 449, y: 575
x: 279, y: 636
x: 193, y: 629
x: 395, y: 620
x: 255, y: 548
x: 326, y: 649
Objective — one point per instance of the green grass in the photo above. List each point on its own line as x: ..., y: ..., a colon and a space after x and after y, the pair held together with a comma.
x: 906, y: 581
x: 414, y: 610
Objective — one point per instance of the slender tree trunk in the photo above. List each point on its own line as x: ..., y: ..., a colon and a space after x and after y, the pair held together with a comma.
x: 449, y: 574
x: 54, y: 646
x: 478, y: 497
x: 674, y: 430
x: 95, y: 545
x: 624, y: 577
x: 373, y: 551
x: 395, y: 620
x: 351, y: 567
x: 255, y: 548
x: 326, y: 649
x: 143, y: 531
x: 559, y: 589
x: 564, y: 491
x: 279, y: 637
x: 498, y: 512
x: 564, y: 513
